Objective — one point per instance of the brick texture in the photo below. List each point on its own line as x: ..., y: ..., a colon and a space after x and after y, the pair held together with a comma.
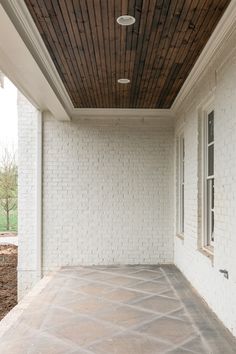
x: 27, y: 131
x: 107, y: 194
x: 204, y: 275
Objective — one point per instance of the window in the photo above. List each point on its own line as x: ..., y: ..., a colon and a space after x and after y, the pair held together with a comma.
x: 209, y: 180
x: 181, y: 156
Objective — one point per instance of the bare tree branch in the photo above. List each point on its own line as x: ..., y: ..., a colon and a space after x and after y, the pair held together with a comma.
x: 8, y: 184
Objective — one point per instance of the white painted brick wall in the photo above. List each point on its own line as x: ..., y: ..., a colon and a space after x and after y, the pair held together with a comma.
x: 107, y: 194
x: 218, y: 292
x: 27, y: 132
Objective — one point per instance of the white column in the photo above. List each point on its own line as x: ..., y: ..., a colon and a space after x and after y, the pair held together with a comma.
x: 29, y: 195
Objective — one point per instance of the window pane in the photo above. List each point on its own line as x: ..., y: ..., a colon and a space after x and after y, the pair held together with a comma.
x: 182, y: 207
x: 212, y: 194
x: 183, y: 156
x: 210, y: 211
x: 210, y: 127
x: 211, y: 160
x: 181, y: 159
x: 212, y: 226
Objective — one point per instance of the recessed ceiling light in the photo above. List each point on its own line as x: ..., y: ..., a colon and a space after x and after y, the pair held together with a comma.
x: 126, y: 20
x: 123, y: 81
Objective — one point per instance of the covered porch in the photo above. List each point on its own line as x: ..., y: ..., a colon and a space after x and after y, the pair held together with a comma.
x: 127, y: 188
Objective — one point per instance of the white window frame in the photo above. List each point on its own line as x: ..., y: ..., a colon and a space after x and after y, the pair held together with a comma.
x: 180, y: 186
x: 208, y: 210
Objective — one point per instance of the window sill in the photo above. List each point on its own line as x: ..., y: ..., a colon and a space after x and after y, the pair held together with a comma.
x: 207, y: 252
x: 180, y: 236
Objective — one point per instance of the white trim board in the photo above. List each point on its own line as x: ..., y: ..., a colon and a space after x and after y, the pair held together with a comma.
x: 157, y: 123
x: 121, y: 113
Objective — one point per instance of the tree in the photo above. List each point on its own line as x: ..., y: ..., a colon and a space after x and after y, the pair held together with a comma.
x: 8, y: 184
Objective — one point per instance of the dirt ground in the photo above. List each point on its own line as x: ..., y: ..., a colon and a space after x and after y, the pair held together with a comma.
x: 8, y: 234
x: 8, y: 278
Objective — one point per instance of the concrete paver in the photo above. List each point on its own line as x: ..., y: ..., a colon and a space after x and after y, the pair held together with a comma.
x: 117, y: 310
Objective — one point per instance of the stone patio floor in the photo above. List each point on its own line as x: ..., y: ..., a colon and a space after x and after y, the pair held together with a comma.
x: 117, y: 310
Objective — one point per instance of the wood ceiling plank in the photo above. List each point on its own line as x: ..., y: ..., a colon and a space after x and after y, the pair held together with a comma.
x: 151, y: 56
x: 118, y: 29
x: 166, y: 5
x: 83, y: 61
x: 91, y: 51
x: 43, y: 22
x: 76, y: 51
x: 170, y: 48
x: 167, y: 64
x: 203, y: 27
x: 135, y: 8
x: 139, y: 62
x: 111, y: 39
x: 203, y: 32
x: 82, y: 19
x: 60, y: 28
x: 183, y: 50
x: 100, y: 21
x: 166, y: 38
x: 123, y: 38
x: 128, y: 47
x: 150, y: 27
x: 107, y: 45
x: 61, y: 42
x: 97, y: 54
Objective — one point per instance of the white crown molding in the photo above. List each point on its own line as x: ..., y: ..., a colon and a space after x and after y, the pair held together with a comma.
x: 222, y: 31
x: 24, y: 24
x: 229, y: 58
x: 121, y: 113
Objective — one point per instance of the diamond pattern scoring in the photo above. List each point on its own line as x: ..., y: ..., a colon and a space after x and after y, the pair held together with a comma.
x: 106, y: 310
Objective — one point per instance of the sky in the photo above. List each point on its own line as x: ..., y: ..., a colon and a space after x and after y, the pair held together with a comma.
x: 8, y: 116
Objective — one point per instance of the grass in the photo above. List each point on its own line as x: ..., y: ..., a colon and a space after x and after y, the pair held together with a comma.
x: 13, y: 220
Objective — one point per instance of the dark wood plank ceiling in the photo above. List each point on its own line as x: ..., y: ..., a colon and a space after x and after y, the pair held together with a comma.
x: 91, y: 51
